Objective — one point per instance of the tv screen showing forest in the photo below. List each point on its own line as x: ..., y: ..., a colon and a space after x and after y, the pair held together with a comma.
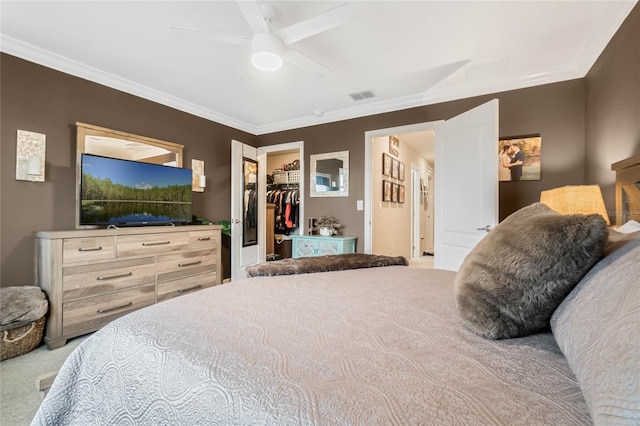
x: 115, y: 191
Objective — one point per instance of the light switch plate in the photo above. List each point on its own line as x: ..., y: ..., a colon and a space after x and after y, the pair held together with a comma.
x: 360, y: 205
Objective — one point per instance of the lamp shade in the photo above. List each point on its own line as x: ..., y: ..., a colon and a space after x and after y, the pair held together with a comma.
x: 581, y: 199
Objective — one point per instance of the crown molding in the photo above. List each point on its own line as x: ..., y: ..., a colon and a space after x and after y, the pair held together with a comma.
x: 610, y: 22
x: 48, y: 59
x: 429, y: 97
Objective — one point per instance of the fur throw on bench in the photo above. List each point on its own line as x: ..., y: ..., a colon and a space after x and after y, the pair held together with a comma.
x: 334, y: 262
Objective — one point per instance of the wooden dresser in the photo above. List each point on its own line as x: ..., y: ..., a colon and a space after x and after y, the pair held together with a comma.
x: 317, y: 245
x: 92, y: 277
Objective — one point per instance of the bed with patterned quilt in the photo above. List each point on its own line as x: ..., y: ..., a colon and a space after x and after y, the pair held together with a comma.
x: 548, y: 336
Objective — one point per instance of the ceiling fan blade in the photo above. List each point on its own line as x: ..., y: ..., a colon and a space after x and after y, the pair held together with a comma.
x: 317, y: 24
x: 306, y: 63
x: 211, y: 35
x: 254, y: 16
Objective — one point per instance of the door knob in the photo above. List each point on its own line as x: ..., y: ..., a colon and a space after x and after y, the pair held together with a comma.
x: 486, y: 228
x: 237, y: 221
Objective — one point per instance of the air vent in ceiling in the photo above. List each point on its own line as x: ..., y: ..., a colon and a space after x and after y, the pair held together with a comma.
x: 358, y: 96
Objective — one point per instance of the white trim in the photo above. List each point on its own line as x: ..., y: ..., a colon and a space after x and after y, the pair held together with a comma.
x: 609, y: 24
x: 57, y: 62
x: 368, y: 198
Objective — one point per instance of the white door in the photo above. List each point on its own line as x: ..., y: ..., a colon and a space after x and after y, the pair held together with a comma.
x: 245, y: 252
x: 416, y: 240
x: 466, y: 183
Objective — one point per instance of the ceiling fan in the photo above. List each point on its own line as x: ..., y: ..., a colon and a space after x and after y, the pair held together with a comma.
x: 270, y: 48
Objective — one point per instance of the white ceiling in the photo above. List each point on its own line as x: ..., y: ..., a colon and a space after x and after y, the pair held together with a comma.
x: 408, y: 53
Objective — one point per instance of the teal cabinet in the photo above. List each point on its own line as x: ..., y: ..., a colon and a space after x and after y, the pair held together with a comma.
x: 318, y: 245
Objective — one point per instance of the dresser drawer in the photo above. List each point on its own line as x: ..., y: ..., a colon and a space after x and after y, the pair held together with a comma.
x: 312, y: 245
x: 174, y: 266
x: 134, y: 245
x: 88, y: 314
x: 205, y: 239
x: 98, y: 278
x: 304, y: 247
x: 170, y: 289
x: 330, y: 247
x: 88, y: 249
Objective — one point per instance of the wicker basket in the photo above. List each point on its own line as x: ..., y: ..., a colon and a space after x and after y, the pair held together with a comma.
x: 282, y: 177
x: 293, y: 176
x: 22, y: 339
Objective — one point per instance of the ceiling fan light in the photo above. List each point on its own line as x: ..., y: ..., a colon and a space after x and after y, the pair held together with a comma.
x: 266, y: 52
x: 266, y: 61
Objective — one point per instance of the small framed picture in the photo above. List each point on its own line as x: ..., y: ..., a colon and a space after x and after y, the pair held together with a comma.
x: 395, y: 169
x: 386, y: 190
x: 519, y: 158
x: 401, y: 172
x: 386, y: 164
x: 394, y: 192
x: 401, y: 193
x: 394, y: 146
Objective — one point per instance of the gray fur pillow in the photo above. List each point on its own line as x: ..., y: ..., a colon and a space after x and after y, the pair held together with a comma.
x: 512, y: 281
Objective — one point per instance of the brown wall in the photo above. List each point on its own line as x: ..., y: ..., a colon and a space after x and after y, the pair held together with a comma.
x: 613, y: 107
x: 42, y: 100
x: 556, y: 111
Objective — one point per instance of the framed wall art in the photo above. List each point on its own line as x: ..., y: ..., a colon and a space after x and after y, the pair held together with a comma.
x: 394, y: 192
x: 395, y: 169
x: 401, y: 171
x: 386, y: 190
x: 401, y: 193
x: 386, y: 164
x: 519, y: 158
x: 394, y: 146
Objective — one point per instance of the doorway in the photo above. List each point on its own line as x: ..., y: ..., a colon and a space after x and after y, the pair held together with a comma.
x: 284, y: 184
x: 243, y: 255
x: 399, y: 227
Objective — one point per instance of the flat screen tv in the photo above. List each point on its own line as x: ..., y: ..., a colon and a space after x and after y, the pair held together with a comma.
x: 123, y: 192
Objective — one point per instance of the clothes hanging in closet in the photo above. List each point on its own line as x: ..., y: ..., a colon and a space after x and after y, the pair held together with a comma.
x: 287, y: 202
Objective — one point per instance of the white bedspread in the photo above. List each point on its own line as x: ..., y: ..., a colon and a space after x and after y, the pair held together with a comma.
x: 358, y: 347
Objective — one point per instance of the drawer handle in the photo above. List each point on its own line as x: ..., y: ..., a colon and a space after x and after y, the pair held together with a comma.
x: 104, y: 311
x: 160, y: 243
x: 204, y: 238
x: 90, y: 249
x: 111, y: 277
x: 184, y: 290
x: 197, y: 262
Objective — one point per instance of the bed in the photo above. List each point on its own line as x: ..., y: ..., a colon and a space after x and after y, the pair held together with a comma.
x: 378, y: 345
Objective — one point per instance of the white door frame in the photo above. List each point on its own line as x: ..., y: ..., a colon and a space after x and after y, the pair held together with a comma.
x: 262, y: 178
x: 416, y: 241
x: 368, y: 198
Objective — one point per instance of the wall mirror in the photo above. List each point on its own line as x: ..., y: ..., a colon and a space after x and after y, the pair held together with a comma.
x: 106, y: 142
x: 250, y: 201
x: 126, y: 146
x: 330, y: 174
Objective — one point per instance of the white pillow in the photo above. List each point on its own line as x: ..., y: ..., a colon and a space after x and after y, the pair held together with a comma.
x: 629, y: 227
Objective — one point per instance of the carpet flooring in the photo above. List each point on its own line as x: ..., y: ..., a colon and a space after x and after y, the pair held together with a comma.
x: 19, y: 398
